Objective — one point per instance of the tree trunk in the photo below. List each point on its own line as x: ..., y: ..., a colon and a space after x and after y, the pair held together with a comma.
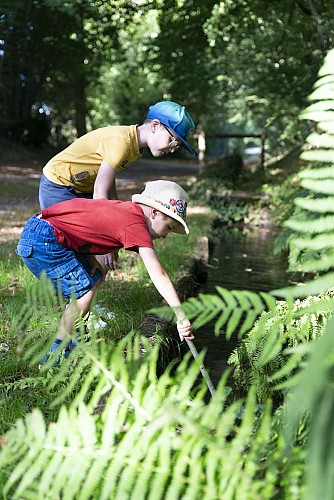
x: 80, y: 107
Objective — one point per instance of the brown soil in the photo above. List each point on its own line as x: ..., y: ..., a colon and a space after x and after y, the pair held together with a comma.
x: 20, y: 171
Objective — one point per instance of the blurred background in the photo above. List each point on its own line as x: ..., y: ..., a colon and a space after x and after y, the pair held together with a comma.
x: 242, y: 68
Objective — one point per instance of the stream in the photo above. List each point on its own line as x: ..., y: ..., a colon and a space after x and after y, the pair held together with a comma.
x: 242, y: 260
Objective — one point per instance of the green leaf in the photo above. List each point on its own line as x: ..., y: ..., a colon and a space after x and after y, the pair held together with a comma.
x: 321, y: 140
x: 319, y: 242
x: 318, y: 116
x: 317, y: 173
x: 323, y: 92
x: 233, y: 322
x: 320, y: 155
x: 326, y: 126
x: 314, y: 226
x: 321, y: 105
x: 323, y: 81
x: 327, y: 65
x: 321, y: 205
x: 314, y: 287
x: 322, y: 263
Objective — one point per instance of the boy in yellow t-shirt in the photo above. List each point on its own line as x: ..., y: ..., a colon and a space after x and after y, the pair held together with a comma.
x: 88, y: 167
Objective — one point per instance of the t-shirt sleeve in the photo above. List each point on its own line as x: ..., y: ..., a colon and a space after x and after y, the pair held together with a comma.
x: 135, y: 236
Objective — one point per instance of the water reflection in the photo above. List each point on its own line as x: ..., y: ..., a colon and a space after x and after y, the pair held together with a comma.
x: 243, y: 260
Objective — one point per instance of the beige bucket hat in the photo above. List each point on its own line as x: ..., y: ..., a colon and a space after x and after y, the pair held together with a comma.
x: 167, y: 197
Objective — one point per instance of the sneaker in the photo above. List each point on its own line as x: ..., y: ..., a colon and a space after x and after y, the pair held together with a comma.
x: 79, y: 337
x: 54, y: 347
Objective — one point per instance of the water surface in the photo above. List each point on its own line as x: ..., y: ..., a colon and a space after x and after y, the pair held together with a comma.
x: 242, y: 260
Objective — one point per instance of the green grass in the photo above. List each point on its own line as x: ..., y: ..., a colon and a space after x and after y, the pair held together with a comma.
x: 19, y: 189
x: 128, y: 293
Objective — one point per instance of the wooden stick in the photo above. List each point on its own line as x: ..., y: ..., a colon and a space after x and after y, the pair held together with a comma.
x: 204, y: 373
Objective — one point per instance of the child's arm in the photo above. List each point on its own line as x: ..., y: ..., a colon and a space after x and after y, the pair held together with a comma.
x: 165, y: 287
x: 105, y: 183
x: 105, y: 187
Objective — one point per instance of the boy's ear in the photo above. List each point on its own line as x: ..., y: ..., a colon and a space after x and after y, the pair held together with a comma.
x: 154, y: 212
x: 155, y: 125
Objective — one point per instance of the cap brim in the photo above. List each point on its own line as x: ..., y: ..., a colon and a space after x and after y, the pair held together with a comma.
x: 182, y: 227
x: 185, y: 144
x: 188, y: 147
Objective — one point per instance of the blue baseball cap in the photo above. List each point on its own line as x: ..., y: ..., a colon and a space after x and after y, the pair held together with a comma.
x: 175, y: 117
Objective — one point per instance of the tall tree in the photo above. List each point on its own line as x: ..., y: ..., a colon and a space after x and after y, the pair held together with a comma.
x: 183, y: 52
x: 51, y: 52
x: 267, y: 55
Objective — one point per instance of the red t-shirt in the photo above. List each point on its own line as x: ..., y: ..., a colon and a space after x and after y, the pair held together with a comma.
x: 98, y: 226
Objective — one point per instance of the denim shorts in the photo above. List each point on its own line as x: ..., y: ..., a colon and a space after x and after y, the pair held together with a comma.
x: 51, y: 193
x: 68, y: 271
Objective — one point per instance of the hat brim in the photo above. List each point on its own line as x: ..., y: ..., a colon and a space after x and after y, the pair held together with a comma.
x: 182, y: 228
x: 187, y: 146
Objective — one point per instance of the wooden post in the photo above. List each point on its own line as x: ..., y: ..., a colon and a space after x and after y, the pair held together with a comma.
x: 263, y: 145
x: 201, y: 149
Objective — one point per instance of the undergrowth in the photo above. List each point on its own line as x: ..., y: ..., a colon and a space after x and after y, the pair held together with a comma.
x: 127, y: 295
x: 122, y: 432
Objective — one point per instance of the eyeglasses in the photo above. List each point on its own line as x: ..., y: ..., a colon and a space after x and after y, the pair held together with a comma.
x: 174, y: 142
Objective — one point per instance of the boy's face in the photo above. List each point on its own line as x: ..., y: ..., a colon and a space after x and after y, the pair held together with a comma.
x: 162, y: 141
x: 161, y: 225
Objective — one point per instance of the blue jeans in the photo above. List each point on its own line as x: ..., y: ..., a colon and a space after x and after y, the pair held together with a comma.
x: 68, y: 271
x: 51, y: 193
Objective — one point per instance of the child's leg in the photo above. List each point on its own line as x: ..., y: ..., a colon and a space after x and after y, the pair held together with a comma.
x: 76, y: 309
x: 69, y: 272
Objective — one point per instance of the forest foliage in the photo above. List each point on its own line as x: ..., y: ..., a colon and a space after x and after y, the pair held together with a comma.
x: 122, y: 432
x: 241, y: 65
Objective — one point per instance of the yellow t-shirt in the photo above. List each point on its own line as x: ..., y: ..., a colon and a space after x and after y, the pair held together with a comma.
x: 78, y: 164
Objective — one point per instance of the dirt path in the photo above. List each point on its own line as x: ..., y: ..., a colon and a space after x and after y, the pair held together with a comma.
x: 129, y: 181
x: 19, y: 187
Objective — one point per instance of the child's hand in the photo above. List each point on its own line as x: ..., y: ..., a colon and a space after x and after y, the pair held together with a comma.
x: 109, y: 260
x: 185, y: 329
x: 95, y: 265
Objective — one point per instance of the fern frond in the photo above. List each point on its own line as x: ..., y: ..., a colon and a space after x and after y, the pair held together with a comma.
x: 315, y: 226
x: 231, y: 306
x: 315, y: 287
x: 235, y: 309
x: 319, y: 186
x: 314, y: 394
x: 318, y: 173
x: 269, y: 354
x: 187, y: 449
x: 321, y: 205
x: 319, y: 242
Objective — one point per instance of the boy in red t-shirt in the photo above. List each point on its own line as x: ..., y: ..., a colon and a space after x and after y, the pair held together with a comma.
x: 64, y: 239
x: 87, y: 168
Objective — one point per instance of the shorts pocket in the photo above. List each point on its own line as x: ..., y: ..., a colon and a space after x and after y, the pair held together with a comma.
x: 24, y: 250
x: 69, y: 280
